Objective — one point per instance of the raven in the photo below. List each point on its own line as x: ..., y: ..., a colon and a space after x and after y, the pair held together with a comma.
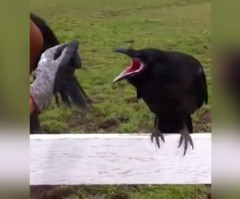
x: 172, y: 84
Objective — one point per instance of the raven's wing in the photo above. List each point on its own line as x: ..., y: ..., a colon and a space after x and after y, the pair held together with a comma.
x: 202, y: 89
x: 67, y: 85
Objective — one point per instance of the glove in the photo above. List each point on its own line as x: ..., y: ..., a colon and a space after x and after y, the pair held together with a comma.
x: 41, y: 90
x: 55, y: 74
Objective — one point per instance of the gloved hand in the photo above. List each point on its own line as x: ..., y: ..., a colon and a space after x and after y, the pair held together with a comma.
x: 55, y: 74
x: 41, y: 90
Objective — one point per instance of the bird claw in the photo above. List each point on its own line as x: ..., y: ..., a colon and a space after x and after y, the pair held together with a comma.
x: 186, y: 138
x: 156, y: 134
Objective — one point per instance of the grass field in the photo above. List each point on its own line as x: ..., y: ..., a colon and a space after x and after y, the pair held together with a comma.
x: 121, y: 192
x: 101, y: 26
x: 182, y: 25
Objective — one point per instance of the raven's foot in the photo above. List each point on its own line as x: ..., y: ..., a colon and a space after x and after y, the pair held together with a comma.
x: 185, y: 136
x: 156, y: 134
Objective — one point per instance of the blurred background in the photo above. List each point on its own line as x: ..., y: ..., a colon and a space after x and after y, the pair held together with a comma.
x: 226, y: 73
x: 183, y: 25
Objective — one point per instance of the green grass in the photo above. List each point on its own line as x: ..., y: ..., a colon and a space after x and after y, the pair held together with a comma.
x: 121, y: 192
x: 104, y: 25
x: 140, y: 192
x: 101, y: 26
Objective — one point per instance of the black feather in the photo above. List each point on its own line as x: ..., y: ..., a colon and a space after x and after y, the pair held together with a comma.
x: 172, y: 84
x: 66, y: 82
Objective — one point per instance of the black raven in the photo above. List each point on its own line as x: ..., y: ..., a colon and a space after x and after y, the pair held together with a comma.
x: 172, y: 84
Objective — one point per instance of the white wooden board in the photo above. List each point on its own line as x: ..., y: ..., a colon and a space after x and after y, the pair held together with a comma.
x: 74, y: 159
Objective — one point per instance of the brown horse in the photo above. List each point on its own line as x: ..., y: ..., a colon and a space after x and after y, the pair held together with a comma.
x: 49, y: 38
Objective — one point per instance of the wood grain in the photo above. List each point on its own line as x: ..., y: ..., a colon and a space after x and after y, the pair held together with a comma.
x: 74, y: 159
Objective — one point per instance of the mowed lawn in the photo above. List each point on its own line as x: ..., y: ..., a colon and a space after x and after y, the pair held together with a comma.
x: 101, y: 26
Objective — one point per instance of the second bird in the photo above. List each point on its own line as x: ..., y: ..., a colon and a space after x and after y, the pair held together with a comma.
x: 172, y: 84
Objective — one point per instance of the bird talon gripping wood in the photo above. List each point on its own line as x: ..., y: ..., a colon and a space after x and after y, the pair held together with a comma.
x: 172, y: 84
x: 187, y: 139
x: 157, y: 134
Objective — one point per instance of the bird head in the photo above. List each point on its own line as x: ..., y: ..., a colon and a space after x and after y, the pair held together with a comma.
x: 137, y: 65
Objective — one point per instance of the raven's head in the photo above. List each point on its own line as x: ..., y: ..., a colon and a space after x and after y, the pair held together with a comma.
x: 137, y: 65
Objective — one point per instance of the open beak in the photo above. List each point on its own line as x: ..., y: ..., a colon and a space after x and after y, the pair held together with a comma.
x: 135, y: 67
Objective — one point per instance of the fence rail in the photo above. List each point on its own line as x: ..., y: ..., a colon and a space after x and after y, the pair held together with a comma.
x: 74, y: 159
